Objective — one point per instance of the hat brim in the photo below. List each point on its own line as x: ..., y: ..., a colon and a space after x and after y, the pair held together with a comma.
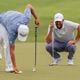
x: 21, y: 38
x: 58, y: 20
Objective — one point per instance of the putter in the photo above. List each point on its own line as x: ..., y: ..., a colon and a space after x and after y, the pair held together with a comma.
x: 35, y: 55
x: 52, y: 48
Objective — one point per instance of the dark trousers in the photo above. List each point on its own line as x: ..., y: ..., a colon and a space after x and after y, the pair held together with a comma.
x: 54, y: 47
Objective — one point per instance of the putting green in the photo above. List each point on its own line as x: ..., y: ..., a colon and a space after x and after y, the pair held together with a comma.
x: 25, y: 60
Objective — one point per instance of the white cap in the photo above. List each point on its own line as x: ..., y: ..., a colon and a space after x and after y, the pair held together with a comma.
x: 23, y: 31
x: 58, y: 17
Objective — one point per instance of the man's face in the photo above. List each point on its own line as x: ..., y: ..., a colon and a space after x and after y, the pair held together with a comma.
x: 59, y: 24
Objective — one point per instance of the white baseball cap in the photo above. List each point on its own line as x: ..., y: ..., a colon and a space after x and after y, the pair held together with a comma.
x: 23, y: 32
x: 58, y: 17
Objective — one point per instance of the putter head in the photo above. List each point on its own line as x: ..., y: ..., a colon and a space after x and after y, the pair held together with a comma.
x: 34, y: 69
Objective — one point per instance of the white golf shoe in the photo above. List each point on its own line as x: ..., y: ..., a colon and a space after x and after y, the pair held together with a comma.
x: 0, y: 56
x: 8, y: 69
x: 70, y: 62
x: 55, y: 61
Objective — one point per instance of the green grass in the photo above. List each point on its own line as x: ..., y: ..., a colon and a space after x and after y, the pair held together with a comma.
x: 25, y: 61
x: 25, y: 51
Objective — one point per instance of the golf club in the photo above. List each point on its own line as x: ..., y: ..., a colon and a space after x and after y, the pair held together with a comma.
x: 35, y: 55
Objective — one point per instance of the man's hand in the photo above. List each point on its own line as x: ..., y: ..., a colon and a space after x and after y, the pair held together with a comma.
x: 37, y: 22
x: 72, y: 42
x: 51, y: 25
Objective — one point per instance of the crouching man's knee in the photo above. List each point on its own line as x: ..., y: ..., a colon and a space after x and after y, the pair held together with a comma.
x: 49, y: 48
x: 72, y: 48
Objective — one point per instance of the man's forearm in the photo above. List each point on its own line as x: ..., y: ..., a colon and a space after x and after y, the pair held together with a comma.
x: 49, y: 37
x: 78, y: 34
x: 32, y: 11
